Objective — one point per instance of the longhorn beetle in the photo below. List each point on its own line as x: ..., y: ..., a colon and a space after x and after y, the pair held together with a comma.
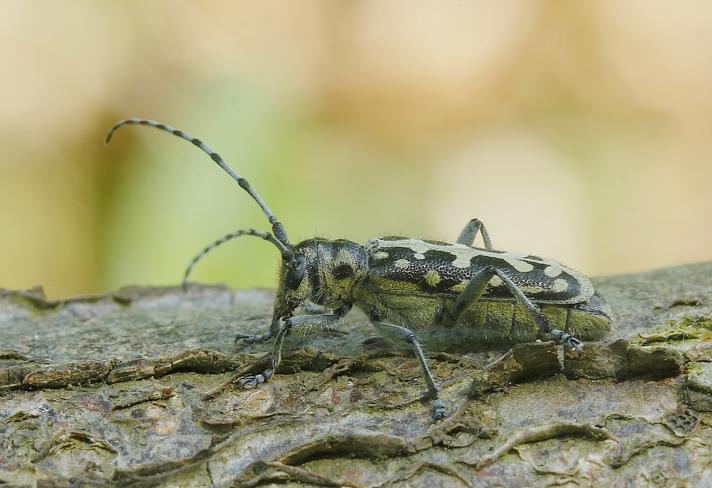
x: 404, y: 284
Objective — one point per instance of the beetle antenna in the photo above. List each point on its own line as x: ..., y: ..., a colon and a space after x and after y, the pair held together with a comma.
x: 277, y: 227
x: 284, y: 250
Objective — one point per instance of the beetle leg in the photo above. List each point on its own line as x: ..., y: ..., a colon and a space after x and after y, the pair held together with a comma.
x: 469, y: 233
x: 476, y: 287
x: 313, y: 308
x: 253, y: 339
x: 309, y: 307
x: 260, y: 338
x: 291, y: 323
x: 407, y: 335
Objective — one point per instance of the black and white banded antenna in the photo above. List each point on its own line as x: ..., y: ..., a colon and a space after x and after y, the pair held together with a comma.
x: 227, y: 237
x: 280, y: 234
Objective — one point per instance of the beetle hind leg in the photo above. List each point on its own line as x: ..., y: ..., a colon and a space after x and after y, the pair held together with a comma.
x: 469, y: 233
x: 477, y: 286
x: 567, y: 340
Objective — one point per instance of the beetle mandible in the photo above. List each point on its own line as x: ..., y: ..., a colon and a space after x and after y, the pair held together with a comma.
x: 405, y: 284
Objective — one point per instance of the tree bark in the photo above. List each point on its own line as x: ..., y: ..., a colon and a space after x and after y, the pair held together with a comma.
x: 133, y: 388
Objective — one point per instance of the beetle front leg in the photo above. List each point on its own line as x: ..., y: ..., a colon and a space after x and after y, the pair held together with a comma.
x: 310, y: 308
x: 469, y: 233
x: 291, y: 323
x: 408, y: 336
x: 476, y: 287
x: 258, y: 339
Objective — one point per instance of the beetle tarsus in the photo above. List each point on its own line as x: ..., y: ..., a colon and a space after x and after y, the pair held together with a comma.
x: 439, y: 412
x: 569, y: 341
x: 575, y: 344
x: 253, y: 381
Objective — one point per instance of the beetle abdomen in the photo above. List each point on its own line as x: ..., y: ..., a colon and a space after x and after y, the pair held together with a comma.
x: 494, y: 324
x: 486, y: 323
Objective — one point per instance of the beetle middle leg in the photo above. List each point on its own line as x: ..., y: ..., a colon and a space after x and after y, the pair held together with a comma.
x: 312, y: 308
x: 469, y: 233
x: 407, y: 335
x: 298, y: 321
x: 476, y: 287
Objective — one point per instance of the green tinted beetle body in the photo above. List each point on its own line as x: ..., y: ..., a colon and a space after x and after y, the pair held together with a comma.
x: 405, y: 285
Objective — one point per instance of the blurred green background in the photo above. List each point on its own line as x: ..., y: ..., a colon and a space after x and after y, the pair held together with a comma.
x: 580, y: 131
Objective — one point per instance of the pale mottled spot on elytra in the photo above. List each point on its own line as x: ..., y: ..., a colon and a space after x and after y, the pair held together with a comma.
x: 517, y: 254
x: 380, y: 255
x: 552, y: 271
x: 401, y: 263
x: 560, y: 285
x: 519, y: 265
x: 496, y: 281
x: 372, y: 245
x: 462, y: 260
x: 420, y: 247
x: 460, y: 286
x: 432, y: 277
x: 531, y: 289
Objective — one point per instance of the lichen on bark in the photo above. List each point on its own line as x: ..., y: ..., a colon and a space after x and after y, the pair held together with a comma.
x: 132, y: 388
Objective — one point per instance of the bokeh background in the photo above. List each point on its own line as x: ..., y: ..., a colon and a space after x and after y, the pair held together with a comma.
x: 580, y: 131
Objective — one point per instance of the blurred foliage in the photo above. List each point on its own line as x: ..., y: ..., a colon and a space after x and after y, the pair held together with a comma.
x: 576, y: 131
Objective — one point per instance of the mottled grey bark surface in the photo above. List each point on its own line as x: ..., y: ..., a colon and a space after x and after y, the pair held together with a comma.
x: 133, y: 388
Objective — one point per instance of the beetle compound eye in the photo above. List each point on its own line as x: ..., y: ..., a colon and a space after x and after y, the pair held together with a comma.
x: 296, y: 272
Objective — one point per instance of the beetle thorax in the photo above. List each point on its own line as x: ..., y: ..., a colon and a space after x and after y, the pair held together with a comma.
x: 332, y: 269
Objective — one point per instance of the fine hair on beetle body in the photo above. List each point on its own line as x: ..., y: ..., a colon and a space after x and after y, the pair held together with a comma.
x: 404, y: 285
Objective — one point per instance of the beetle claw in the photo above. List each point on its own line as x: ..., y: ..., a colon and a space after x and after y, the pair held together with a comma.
x: 575, y: 344
x: 253, y: 381
x: 253, y: 339
x: 569, y: 341
x: 439, y: 412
